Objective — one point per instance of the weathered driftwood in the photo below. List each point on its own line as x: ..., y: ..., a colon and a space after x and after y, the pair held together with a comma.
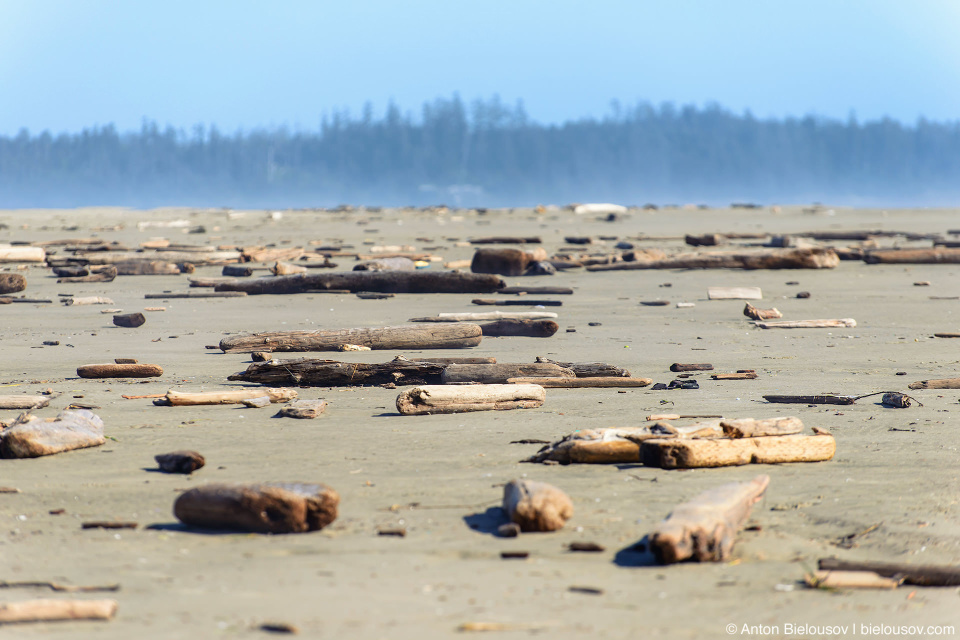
x: 269, y: 507
x: 608, y: 382
x: 475, y: 360
x: 10, y: 253
x: 193, y: 294
x: 679, y: 366
x: 752, y: 428
x: 130, y: 320
x: 303, y: 409
x: 256, y: 403
x: 913, y: 256
x: 70, y: 271
x: 761, y: 314
x: 922, y: 575
x: 599, y: 209
x: 896, y: 400
x: 617, y: 444
x: 590, y: 369
x: 56, y: 610
x: 209, y: 283
x: 946, y: 335
x: 805, y: 258
x: 507, y: 240
x: 517, y: 328
x: 386, y: 264
x: 23, y: 402
x: 85, y: 300
x: 148, y: 268
x: 740, y: 375
x: 849, y: 580
x: 431, y: 399
x: 438, y: 336
x: 269, y: 254
x: 734, y: 293
x: 113, y: 370
x: 699, y: 453
x: 557, y: 291
x: 237, y: 271
x: 500, y: 373
x: 831, y: 323
x: 705, y: 240
x: 31, y: 437
x: 476, y: 316
x: 193, y: 257
x: 705, y: 528
x: 677, y: 416
x: 331, y: 373
x: 286, y: 269
x: 233, y: 396
x: 823, y: 399
x: 942, y: 383
x: 506, y: 262
x: 536, y: 506
x: 183, y: 461
x: 12, y: 283
x: 376, y: 281
x: 519, y: 302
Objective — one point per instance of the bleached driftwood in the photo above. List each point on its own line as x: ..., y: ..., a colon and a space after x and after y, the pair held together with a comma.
x: 23, y: 402
x: 234, y: 396
x: 431, y: 399
x: 832, y: 323
x: 500, y: 373
x: 87, y: 300
x: 32, y: 437
x: 805, y: 258
x: 608, y: 382
x: 849, y: 580
x: 269, y: 507
x: 439, y: 336
x: 942, y: 383
x: 751, y: 428
x: 56, y: 610
x: 761, y: 314
x: 734, y: 293
x: 617, y: 444
x: 691, y: 454
x: 536, y: 506
x: 924, y: 575
x: 599, y: 209
x: 9, y: 253
x: 486, y: 315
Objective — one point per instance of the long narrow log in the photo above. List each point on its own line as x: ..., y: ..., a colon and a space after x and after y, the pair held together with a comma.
x: 170, y: 295
x: 210, y: 282
x: 439, y: 336
x: 475, y: 316
x: 679, y: 366
x: 704, y: 453
x: 108, y: 274
x: 849, y: 580
x: 516, y: 328
x: 269, y: 507
x: 500, y: 373
x: 477, y: 360
x: 608, y: 382
x: 32, y: 437
x: 234, y: 396
x: 557, y: 291
x: 196, y: 258
x: 373, y: 281
x: 923, y: 575
x: 942, y: 383
x: 430, y: 399
x: 112, y: 370
x: 23, y: 402
x: 536, y: 506
x: 706, y: 527
x: 831, y: 323
x: 829, y: 399
x: 913, y: 256
x: 590, y: 369
x: 56, y: 610
x: 87, y: 300
x: 734, y: 293
x: 806, y: 258
x: 751, y: 428
x: 740, y: 375
x: 519, y: 302
x: 507, y: 240
x: 147, y: 268
x: 22, y: 254
x: 330, y: 373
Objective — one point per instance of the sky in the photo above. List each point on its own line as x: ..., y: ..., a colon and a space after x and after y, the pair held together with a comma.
x: 66, y: 65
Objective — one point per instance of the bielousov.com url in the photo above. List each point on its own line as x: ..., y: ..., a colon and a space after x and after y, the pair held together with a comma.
x: 852, y: 629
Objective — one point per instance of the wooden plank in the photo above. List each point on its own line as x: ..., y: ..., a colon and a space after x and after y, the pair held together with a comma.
x: 486, y: 315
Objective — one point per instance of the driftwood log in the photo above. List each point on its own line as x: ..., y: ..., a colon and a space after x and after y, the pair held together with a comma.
x: 373, y: 281
x: 589, y: 369
x: 679, y: 366
x: 331, y: 373
x: 827, y: 399
x: 474, y: 316
x: 806, y: 258
x: 129, y: 320
x: 608, y: 382
x: 916, y: 574
x: 913, y: 256
x: 468, y: 360
x: 522, y: 301
x: 519, y: 328
x: 270, y: 507
x: 303, y: 409
x: 193, y: 257
x: 752, y: 428
x: 32, y: 437
x: 86, y: 300
x: 557, y: 291
x: 505, y: 262
x: 10, y: 253
x: 942, y: 383
x: 705, y: 528
x: 180, y: 461
x: 234, y: 396
x: 849, y: 580
x: 12, y: 283
x: 113, y: 370
x: 617, y: 444
x: 432, y: 399
x: 193, y: 295
x: 56, y: 610
x: 536, y: 506
x: 105, y: 274
x: 500, y: 373
x: 438, y: 336
x: 23, y: 402
x: 761, y: 314
x: 706, y: 453
x: 149, y: 268
x: 507, y: 240
x: 740, y: 375
x: 734, y: 293
x: 831, y: 323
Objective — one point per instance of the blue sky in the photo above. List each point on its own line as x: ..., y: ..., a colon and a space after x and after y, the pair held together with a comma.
x: 70, y: 64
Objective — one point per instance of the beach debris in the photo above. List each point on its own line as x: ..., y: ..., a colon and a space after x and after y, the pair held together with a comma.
x: 55, y: 610
x: 24, y: 402
x: 514, y: 328
x: 151, y: 268
x: 10, y: 253
x: 486, y: 315
x: 12, y: 283
x: 536, y: 506
x: 942, y: 383
x: 761, y: 314
x: 368, y: 295
x: 508, y: 530
x: 432, y: 399
x: 500, y: 373
x: 419, y: 281
x: 678, y: 367
x: 589, y: 369
x: 734, y: 293
x: 678, y: 416
x: 946, y: 335
x: 585, y: 547
x: 610, y: 382
x: 114, y: 370
x: 706, y: 527
x: 439, y: 336
x: 705, y: 240
x: 236, y: 271
x: 193, y: 295
x: 56, y: 586
x: 279, y: 627
x: 751, y: 428
x: 831, y: 323
x: 821, y: 399
x: 677, y: 453
x: 303, y: 409
x: 182, y: 461
x: 936, y: 255
x: 286, y: 269
x: 131, y: 320
x: 895, y: 400
x: 507, y: 240
x: 916, y: 574
x: 386, y: 264
x: 849, y: 580
x: 542, y: 290
x: 269, y: 507
x: 86, y: 300
x: 108, y: 524
x: 256, y: 403
x: 331, y: 373
x: 32, y: 437
x: 506, y: 262
x: 519, y: 302
x: 740, y: 375
x: 353, y: 347
x: 599, y: 209
x: 801, y: 258
x: 234, y: 396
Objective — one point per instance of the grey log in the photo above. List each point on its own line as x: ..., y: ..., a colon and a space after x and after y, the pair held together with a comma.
x: 452, y: 335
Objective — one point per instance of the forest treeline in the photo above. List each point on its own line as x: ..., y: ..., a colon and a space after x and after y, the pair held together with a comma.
x: 491, y: 154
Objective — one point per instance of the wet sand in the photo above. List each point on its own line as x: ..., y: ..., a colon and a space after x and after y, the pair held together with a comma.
x: 436, y: 476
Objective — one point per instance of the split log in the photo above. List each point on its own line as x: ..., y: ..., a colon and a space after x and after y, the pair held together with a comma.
x: 130, y: 320
x: 706, y: 527
x: 56, y: 610
x: 180, y: 461
x: 486, y: 315
x: 428, y: 400
x: 440, y: 336
x: 943, y: 383
x: 734, y: 293
x: 269, y: 507
x: 12, y: 283
x: 704, y: 453
x: 170, y: 295
x: 386, y: 264
x: 557, y: 291
x: 24, y: 402
x: 536, y: 506
x: 87, y: 300
x: 505, y: 262
x: 677, y: 366
x: 606, y: 382
x: 751, y: 428
x: 761, y: 314
x: 147, y: 268
x: 832, y: 323
x: 32, y: 437
x: 802, y: 258
x: 745, y: 375
x: 303, y: 409
x: 514, y: 328
x: 921, y: 575
x: 507, y: 240
x: 913, y: 256
x: 811, y: 399
x: 849, y: 580
x: 500, y: 373
x: 590, y: 369
x: 521, y: 302
x: 22, y: 254
x: 330, y: 373
x: 113, y: 370
x: 374, y: 281
x: 234, y: 396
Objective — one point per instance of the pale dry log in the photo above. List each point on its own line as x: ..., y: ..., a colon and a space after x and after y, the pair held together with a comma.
x: 942, y: 383
x: 701, y: 453
x: 439, y: 336
x: 805, y: 258
x: 426, y: 400
x: 590, y: 369
x: 331, y: 373
x: 12, y: 283
x: 734, y: 293
x: 475, y: 360
x: 832, y: 323
x: 87, y: 300
x: 107, y: 274
x: 23, y: 402
x: 599, y: 209
x: 32, y: 437
x: 196, y: 258
x: 386, y: 264
x: 913, y: 256
x: 761, y: 314
x: 505, y: 262
x: 557, y: 291
x: 268, y: 254
x: 303, y: 409
x: 740, y: 375
x: 171, y: 295
x: 752, y: 428
x: 210, y: 282
x: 56, y: 610
x: 500, y: 373
x: 705, y: 528
x: 515, y: 328
x: 476, y: 316
x: 373, y: 281
x: 536, y: 506
x: 602, y: 446
x: 269, y: 507
x: 113, y: 370
x: 286, y: 269
x: 184, y: 461
x: 922, y: 575
x: 233, y: 396
x: 607, y: 382
x: 10, y: 253
x: 457, y: 264
x: 849, y: 580
x: 148, y: 268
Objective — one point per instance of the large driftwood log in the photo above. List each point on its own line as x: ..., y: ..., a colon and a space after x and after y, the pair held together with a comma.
x: 475, y: 316
x: 373, y: 281
x: 113, y: 370
x: 233, y: 396
x: 515, y: 328
x: 433, y: 399
x: 86, y: 300
x: 10, y: 253
x: 608, y: 382
x: 476, y: 360
x: 923, y: 575
x: 169, y: 295
x: 500, y: 373
x: 507, y: 240
x: 701, y: 453
x: 942, y: 383
x: 386, y: 264
x: 807, y: 258
x: 56, y: 610
x: 23, y: 402
x: 331, y: 373
x: 536, y: 506
x: 438, y: 336
x: 106, y: 274
x: 590, y: 369
x: 193, y: 257
x: 32, y: 437
x: 505, y: 262
x: 832, y: 323
x: 617, y: 444
x: 913, y: 256
x: 825, y: 399
x: 706, y: 527
x: 522, y: 301
x: 269, y: 507
x: 12, y: 283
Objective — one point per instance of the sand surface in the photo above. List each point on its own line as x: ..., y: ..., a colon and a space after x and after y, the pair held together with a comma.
x: 436, y: 476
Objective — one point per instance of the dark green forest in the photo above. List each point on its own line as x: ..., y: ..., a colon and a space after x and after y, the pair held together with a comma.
x: 487, y: 153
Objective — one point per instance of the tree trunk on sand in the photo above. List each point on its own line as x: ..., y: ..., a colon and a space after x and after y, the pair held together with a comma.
x: 913, y: 256
x: 703, y: 453
x: 56, y: 610
x: 22, y: 254
x: 590, y: 369
x: 943, y: 383
x: 427, y: 400
x: 330, y: 373
x: 519, y: 328
x: 439, y: 336
x: 809, y: 258
x: 112, y: 370
x: 499, y: 373
x: 233, y: 396
x: 536, y: 506
x: 608, y: 382
x: 373, y: 281
x: 23, y: 402
x: 270, y: 507
x: 505, y: 262
x: 32, y: 437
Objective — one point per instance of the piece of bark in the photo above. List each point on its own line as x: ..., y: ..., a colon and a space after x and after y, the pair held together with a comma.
x: 942, y: 383
x: 193, y: 295
x: 706, y: 453
x: 269, y: 507
x: 439, y: 336
x: 734, y: 293
x: 590, y: 369
x: 519, y: 302
x: 303, y: 409
x: 233, y: 396
x: 505, y: 262
x: 430, y: 399
x: 476, y: 316
x: 746, y: 375
x: 519, y: 328
x: 536, y: 506
x: 607, y: 382
x: 22, y: 254
x: 557, y: 291
x: 331, y: 373
x: 12, y: 283
x: 831, y: 323
x: 500, y: 373
x: 236, y: 271
x: 130, y: 320
x: 805, y: 258
x: 85, y: 300
x: 32, y: 437
x: 920, y: 575
x: 913, y: 256
x: 56, y: 610
x: 24, y: 402
x: 761, y: 314
x: 828, y: 399
x: 849, y: 580
x: 678, y: 366
x: 113, y: 370
x: 705, y: 528
x: 375, y: 281
x: 184, y: 461
x: 751, y: 428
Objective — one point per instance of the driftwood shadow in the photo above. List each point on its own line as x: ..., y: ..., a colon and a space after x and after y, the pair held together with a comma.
x: 488, y: 521
x: 637, y: 554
